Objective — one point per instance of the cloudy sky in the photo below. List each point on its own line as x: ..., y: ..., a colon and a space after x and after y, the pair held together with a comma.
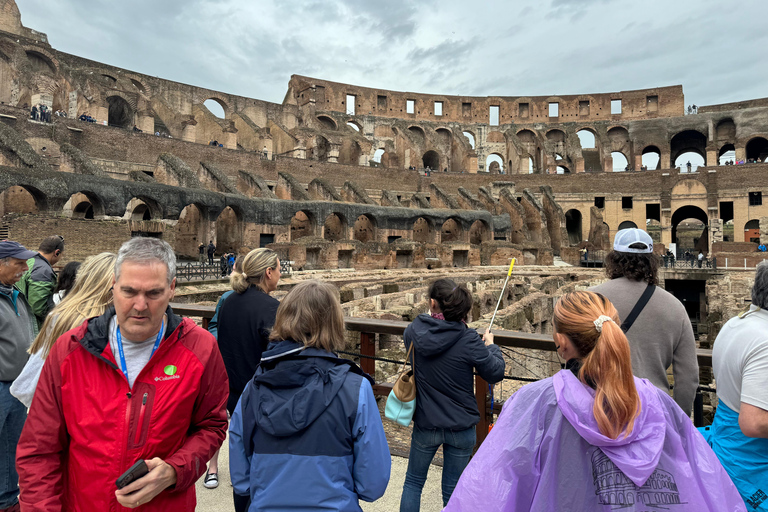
x: 715, y: 49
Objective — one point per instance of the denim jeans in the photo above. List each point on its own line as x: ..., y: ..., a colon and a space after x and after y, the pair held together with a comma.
x: 12, y: 417
x: 457, y: 450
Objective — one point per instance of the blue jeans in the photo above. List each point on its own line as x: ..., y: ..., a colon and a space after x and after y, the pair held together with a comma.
x: 457, y: 450
x: 12, y: 417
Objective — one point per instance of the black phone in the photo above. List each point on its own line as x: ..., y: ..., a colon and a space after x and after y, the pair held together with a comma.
x: 135, y: 472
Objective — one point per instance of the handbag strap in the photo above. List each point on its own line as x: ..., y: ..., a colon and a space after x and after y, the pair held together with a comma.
x: 641, y: 302
x: 413, y: 362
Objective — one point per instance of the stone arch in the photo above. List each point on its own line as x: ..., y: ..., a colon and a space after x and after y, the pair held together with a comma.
x: 690, y: 212
x: 423, y: 231
x: 138, y: 85
x: 479, y: 232
x: 217, y: 107
x: 22, y: 199
x: 41, y: 61
x: 229, y: 229
x: 587, y: 138
x: 688, y: 141
x: 120, y: 112
x: 355, y: 125
x: 431, y: 159
x: 573, y: 226
x: 725, y: 131
x: 444, y: 134
x: 302, y: 224
x: 418, y: 132
x: 84, y: 205
x: 494, y: 163
x: 327, y: 123
x: 190, y: 230
x: 757, y: 149
x: 651, y: 158
x: 727, y: 153
x: 365, y: 228
x: 139, y: 209
x: 752, y: 231
x: 377, y: 156
x: 470, y: 137
x: 627, y: 224
x: 451, y: 231
x: 335, y: 227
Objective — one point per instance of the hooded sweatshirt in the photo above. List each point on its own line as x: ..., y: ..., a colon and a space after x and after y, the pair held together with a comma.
x: 307, y: 435
x: 546, y: 453
x: 446, y: 354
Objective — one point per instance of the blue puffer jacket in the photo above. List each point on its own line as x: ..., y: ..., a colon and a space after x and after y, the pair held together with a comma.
x: 307, y: 435
x: 446, y: 354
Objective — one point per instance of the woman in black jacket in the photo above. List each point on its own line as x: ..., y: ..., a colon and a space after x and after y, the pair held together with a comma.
x: 445, y: 353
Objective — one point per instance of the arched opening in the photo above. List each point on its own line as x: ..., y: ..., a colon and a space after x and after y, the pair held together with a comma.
x: 354, y: 126
x: 138, y: 85
x: 377, y: 155
x: 586, y: 138
x: 422, y: 231
x: 620, y: 163
x: 478, y: 232
x: 725, y: 131
x: 686, y: 144
x: 757, y: 150
x: 530, y: 165
x: 470, y: 137
x: 83, y: 210
x: 752, y: 231
x: 40, y: 63
x: 651, y: 158
x: 689, y: 230
x: 326, y: 123
x: 216, y: 107
x: 301, y: 225
x: 431, y: 159
x: 445, y: 135
x: 83, y: 205
x: 561, y: 169
x: 190, y: 231
x: 418, y: 132
x: 627, y: 224
x: 18, y: 199
x: 573, y: 226
x: 365, y: 229
x: 689, y: 161
x: 140, y: 211
x: 228, y: 231
x: 494, y: 164
x: 727, y: 155
x: 120, y: 112
x: 350, y: 152
x: 450, y: 231
x: 335, y: 228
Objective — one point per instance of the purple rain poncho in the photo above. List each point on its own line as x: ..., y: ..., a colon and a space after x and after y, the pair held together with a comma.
x: 546, y: 453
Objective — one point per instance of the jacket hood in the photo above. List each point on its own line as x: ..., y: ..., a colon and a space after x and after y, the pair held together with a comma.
x: 637, y: 454
x: 433, y: 336
x: 293, y: 386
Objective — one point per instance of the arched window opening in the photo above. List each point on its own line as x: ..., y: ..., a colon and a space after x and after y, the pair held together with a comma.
x: 120, y: 112
x: 141, y: 212
x: 752, y: 231
x: 627, y: 224
x: 190, y: 231
x: 432, y: 160
x: 727, y: 155
x: 586, y: 138
x: 377, y: 155
x: 40, y: 63
x: 17, y: 199
x: 228, y: 231
x: 365, y: 229
x: 757, y: 150
x: 562, y: 170
x: 494, y: 164
x: 695, y: 160
x: 215, y: 107
x: 651, y: 158
x: 530, y: 165
x: 690, y: 230
x: 301, y: 225
x: 471, y: 139
x: 450, y: 232
x: 422, y: 231
x: 353, y: 126
x: 326, y: 123
x: 687, y: 144
x: 334, y: 228
x: 573, y: 226
x: 620, y: 163
x: 478, y: 232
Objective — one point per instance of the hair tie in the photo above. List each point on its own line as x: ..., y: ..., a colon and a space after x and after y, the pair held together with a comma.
x: 454, y: 289
x: 600, y: 321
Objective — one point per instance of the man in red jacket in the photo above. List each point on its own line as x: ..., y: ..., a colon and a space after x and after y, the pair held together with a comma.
x: 136, y: 383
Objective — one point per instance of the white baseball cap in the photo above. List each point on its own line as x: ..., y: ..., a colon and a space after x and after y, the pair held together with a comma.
x: 627, y: 237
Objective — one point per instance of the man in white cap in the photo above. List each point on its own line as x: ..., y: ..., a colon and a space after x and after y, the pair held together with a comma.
x: 655, y: 322
x: 16, y: 333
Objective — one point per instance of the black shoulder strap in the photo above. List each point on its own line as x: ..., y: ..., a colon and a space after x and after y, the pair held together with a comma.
x: 641, y: 302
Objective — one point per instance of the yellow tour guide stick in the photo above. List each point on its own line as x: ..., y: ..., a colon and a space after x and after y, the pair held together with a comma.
x: 503, y: 288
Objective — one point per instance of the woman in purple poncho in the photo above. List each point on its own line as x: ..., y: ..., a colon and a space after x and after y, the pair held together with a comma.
x: 593, y: 437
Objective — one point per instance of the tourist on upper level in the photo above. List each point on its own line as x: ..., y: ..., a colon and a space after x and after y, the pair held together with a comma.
x: 306, y: 433
x: 90, y: 297
x: 211, y: 251
x: 446, y: 354
x: 17, y: 325
x: 700, y: 258
x: 39, y: 282
x: 593, y: 436
x: 661, y: 334
x: 246, y: 317
x: 34, y: 112
x: 739, y: 433
x: 66, y: 281
x: 201, y: 252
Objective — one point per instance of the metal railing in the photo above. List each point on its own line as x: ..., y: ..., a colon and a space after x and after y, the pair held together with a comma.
x: 198, y: 271
x: 368, y: 328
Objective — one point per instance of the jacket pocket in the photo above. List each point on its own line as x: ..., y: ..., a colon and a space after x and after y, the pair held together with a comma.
x: 142, y: 417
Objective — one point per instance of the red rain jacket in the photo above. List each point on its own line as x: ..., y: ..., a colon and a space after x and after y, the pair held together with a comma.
x: 86, y: 426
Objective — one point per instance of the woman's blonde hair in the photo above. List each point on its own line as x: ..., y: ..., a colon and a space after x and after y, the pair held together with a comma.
x: 311, y: 314
x: 90, y: 297
x: 255, y: 265
x: 606, y: 360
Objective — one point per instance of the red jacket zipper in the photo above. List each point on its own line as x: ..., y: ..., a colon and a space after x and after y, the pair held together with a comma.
x: 141, y: 419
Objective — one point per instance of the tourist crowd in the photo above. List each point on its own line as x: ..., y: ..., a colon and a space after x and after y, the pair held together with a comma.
x: 109, y: 399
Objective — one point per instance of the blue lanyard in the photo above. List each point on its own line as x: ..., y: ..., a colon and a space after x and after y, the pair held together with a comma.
x: 123, y: 366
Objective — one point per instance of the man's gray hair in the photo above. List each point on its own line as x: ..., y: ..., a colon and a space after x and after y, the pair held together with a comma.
x: 760, y: 288
x: 146, y: 250
x: 5, y: 261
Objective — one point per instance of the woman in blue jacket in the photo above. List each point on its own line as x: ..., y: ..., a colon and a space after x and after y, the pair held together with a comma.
x: 446, y: 352
x: 306, y: 433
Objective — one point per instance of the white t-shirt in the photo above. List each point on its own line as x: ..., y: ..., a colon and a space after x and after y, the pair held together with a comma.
x: 137, y: 354
x: 740, y: 360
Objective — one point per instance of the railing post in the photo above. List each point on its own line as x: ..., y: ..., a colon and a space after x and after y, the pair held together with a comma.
x: 368, y: 348
x: 698, y: 410
x: 481, y: 395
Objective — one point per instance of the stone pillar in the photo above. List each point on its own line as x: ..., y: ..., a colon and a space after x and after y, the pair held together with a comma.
x: 764, y: 230
x: 665, y: 160
x: 189, y: 132
x: 333, y: 153
x: 230, y: 139
x: 741, y: 153
x: 712, y: 159
x: 579, y: 165
x: 638, y: 162
x: 715, y: 231
x: 145, y: 122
